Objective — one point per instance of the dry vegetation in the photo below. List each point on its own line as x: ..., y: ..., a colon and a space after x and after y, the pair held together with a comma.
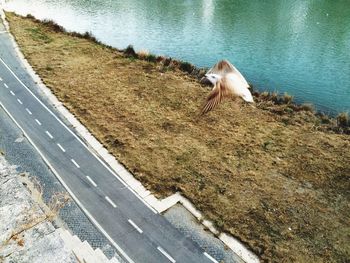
x: 273, y: 175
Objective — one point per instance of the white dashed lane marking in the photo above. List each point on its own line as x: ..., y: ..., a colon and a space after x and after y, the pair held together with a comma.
x: 38, y: 122
x: 210, y: 257
x: 12, y: 93
x: 110, y: 201
x: 49, y: 134
x: 91, y: 181
x: 91, y: 217
x: 19, y: 101
x: 60, y: 146
x: 166, y: 254
x: 75, y: 163
x: 135, y: 226
x: 29, y: 112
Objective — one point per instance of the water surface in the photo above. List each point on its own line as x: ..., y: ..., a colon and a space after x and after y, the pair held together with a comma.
x: 300, y: 47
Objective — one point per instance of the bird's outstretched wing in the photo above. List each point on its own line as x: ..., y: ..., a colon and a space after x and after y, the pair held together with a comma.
x: 224, y: 67
x: 239, y: 87
x: 218, y: 93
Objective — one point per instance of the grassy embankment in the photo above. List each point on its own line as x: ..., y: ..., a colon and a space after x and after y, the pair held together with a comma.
x: 274, y: 176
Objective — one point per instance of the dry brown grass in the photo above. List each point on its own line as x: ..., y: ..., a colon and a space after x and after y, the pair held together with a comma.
x: 272, y: 180
x: 143, y: 54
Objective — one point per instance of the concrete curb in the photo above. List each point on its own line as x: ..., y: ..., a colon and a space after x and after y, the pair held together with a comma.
x: 159, y: 205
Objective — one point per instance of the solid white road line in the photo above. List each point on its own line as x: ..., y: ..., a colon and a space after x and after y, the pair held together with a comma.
x: 60, y: 146
x: 29, y: 112
x: 166, y: 254
x: 38, y: 122
x: 3, y: 32
x: 210, y: 257
x: 79, y: 140
x: 110, y: 201
x: 75, y: 163
x: 91, y: 181
x: 49, y: 134
x: 19, y: 101
x: 13, y: 94
x: 135, y: 226
x: 94, y: 221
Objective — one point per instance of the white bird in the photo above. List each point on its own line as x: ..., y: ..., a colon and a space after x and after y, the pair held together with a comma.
x: 228, y: 82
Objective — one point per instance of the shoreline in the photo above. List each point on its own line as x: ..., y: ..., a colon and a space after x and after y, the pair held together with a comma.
x: 302, y: 84
x: 337, y: 122
x: 278, y: 117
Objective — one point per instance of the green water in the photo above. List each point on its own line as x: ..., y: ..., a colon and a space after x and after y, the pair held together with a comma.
x: 300, y: 47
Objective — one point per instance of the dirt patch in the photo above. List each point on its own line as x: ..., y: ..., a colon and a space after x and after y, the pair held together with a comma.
x: 272, y: 180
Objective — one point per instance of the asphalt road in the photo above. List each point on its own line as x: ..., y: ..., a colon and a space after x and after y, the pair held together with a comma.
x: 136, y: 230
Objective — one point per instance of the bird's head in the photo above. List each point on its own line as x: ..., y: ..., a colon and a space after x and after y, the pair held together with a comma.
x: 213, y: 78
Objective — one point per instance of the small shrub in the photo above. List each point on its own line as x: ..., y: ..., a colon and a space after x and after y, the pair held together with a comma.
x: 195, y: 72
x: 90, y: 36
x: 201, y: 73
x: 324, y: 118
x: 174, y: 64
x: 255, y: 94
x: 187, y: 67
x: 307, y: 107
x: 287, y: 99
x: 151, y: 58
x: 343, y: 120
x: 167, y: 62
x: 53, y: 26
x: 30, y: 17
x: 130, y: 51
x: 274, y: 97
x: 86, y: 35
x: 161, y: 59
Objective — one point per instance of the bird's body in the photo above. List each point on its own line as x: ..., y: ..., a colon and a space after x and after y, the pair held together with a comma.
x: 228, y: 82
